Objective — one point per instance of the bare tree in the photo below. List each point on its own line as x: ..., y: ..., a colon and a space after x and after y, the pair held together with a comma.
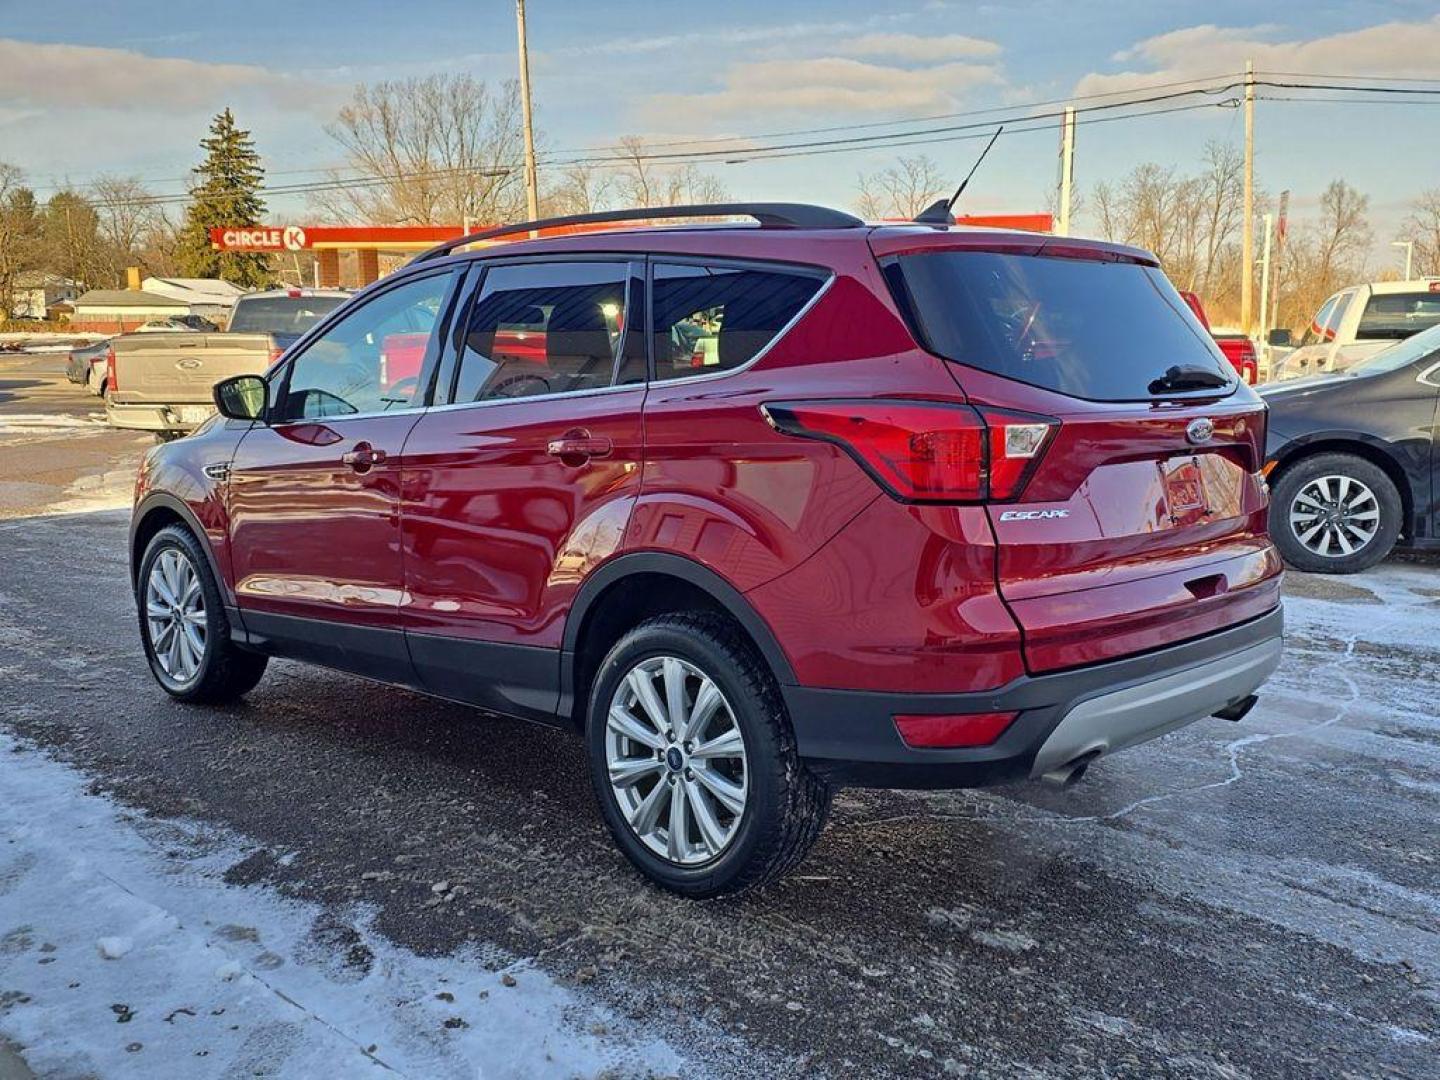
x: 1422, y: 227
x: 434, y: 150
x: 1220, y: 192
x: 901, y: 190
x: 128, y: 220
x: 580, y: 189
x: 1343, y: 235
x: 639, y: 180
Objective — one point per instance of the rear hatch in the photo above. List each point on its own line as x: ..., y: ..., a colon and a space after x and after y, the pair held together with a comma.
x: 1141, y: 517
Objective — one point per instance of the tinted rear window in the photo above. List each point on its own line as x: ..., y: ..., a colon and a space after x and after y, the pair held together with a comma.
x: 1097, y: 330
x: 281, y: 314
x: 1398, y: 315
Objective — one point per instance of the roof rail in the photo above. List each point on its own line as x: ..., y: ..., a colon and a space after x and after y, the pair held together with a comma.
x: 793, y: 215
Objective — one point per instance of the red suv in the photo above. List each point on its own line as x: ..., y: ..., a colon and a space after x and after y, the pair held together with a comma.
x: 760, y: 511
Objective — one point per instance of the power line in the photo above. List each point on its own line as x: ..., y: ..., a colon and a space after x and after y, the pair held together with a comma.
x: 1026, y: 121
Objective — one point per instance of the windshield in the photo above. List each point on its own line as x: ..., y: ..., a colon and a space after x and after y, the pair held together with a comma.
x: 281, y: 314
x: 1398, y: 315
x: 1416, y: 347
x: 1103, y: 331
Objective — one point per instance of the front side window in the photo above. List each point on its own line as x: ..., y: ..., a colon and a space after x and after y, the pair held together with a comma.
x: 716, y: 318
x: 1315, y: 331
x: 543, y: 328
x: 371, y: 360
x: 1393, y: 316
x: 1332, y: 324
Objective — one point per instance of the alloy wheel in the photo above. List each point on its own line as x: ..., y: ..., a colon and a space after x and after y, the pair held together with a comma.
x: 675, y: 757
x: 1335, y: 516
x: 175, y: 615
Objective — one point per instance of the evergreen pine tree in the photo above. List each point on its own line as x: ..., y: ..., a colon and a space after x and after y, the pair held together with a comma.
x: 226, y: 193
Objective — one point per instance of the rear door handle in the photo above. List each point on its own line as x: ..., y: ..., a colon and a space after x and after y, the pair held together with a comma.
x: 579, y: 446
x: 363, y: 458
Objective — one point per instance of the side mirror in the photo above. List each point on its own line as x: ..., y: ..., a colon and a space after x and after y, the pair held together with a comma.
x: 1280, y: 336
x: 242, y: 397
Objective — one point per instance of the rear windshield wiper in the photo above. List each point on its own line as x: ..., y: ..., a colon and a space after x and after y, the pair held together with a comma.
x: 1178, y: 379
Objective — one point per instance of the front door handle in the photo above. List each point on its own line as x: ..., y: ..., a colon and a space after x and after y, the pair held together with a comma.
x: 363, y: 458
x: 579, y: 446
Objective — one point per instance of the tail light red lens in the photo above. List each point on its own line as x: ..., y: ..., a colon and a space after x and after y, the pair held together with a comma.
x: 110, y: 383
x: 926, y: 451
x: 953, y: 731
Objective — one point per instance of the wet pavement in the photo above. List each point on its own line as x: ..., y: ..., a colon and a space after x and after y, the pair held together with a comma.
x: 1235, y: 900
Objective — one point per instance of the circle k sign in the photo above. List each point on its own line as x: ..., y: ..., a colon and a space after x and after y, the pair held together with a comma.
x: 293, y: 237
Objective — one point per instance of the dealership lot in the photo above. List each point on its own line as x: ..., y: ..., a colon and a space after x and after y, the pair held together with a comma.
x: 1256, y: 900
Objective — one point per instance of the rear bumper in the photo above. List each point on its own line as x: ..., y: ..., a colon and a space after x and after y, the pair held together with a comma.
x: 157, y: 417
x: 850, y: 737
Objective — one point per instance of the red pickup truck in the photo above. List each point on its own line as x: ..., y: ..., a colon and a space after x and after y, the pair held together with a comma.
x: 1238, y: 348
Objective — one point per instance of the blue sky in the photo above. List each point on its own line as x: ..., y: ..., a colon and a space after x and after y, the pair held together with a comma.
x: 128, y: 87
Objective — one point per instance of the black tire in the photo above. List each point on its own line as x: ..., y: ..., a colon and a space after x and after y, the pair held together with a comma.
x: 1294, y: 479
x: 786, y: 804
x: 226, y: 672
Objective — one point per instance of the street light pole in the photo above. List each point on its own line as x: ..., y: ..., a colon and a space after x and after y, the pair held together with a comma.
x: 1067, y: 169
x: 532, y: 182
x: 1409, y: 246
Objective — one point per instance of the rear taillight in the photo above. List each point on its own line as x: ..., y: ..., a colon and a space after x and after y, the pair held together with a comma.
x: 110, y: 383
x: 275, y: 355
x: 924, y: 451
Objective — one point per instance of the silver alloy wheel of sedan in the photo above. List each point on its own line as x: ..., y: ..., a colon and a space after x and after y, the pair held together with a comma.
x: 676, y: 760
x: 1334, y: 516
x: 175, y: 615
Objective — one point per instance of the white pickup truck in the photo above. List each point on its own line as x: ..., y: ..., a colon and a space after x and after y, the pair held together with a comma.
x: 163, y: 382
x: 1355, y: 323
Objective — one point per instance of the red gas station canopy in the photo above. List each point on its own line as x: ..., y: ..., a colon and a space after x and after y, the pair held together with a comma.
x: 321, y: 237
x: 420, y: 237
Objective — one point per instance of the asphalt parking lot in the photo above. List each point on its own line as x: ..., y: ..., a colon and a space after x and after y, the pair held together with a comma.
x: 1235, y: 900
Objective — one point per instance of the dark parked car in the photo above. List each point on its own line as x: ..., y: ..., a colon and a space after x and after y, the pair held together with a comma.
x: 759, y: 511
x: 1352, y: 459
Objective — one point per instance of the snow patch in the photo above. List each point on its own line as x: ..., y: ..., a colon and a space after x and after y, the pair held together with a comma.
x: 119, y: 961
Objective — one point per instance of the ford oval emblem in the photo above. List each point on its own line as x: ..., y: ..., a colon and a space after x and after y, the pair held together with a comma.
x: 1200, y: 429
x: 188, y: 363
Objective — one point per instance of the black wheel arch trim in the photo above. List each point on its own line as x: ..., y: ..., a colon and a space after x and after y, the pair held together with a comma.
x: 730, y: 599
x: 162, y: 500
x: 1379, y: 452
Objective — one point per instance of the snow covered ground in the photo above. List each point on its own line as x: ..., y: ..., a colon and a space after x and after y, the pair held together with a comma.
x: 124, y: 954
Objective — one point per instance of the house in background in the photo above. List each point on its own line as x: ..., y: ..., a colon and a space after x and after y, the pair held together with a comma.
x: 37, y: 292
x: 118, y: 311
x: 110, y: 311
x: 210, y: 298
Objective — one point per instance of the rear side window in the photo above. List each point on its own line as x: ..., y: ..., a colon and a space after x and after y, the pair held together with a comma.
x: 1103, y: 331
x: 718, y: 318
x: 543, y: 328
x: 1391, y: 316
x: 281, y: 314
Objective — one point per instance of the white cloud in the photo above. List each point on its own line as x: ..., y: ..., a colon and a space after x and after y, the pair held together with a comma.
x: 825, y: 85
x: 921, y: 48
x: 51, y: 76
x: 1410, y: 49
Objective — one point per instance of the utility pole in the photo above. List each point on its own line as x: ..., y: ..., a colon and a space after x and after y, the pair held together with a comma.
x: 532, y: 182
x: 1265, y: 283
x: 1067, y: 169
x: 1247, y: 235
x: 1409, y: 246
